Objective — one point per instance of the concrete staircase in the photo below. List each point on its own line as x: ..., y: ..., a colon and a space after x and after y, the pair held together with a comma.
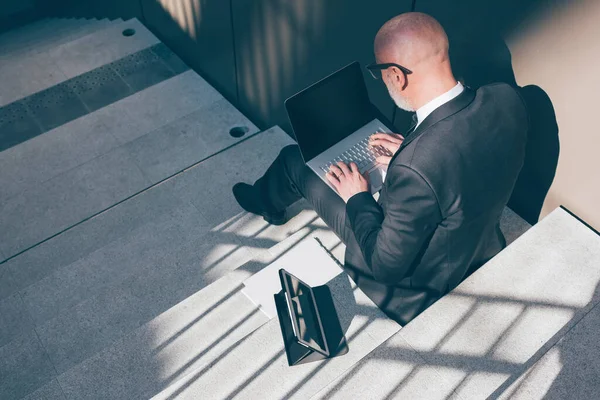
x: 115, y: 217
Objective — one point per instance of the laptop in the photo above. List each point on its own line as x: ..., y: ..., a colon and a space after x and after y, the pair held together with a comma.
x: 332, y: 120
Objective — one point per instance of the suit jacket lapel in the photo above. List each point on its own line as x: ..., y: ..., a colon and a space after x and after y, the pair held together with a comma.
x: 444, y: 111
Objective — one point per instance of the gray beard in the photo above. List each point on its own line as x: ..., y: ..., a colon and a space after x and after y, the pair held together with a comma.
x: 400, y: 101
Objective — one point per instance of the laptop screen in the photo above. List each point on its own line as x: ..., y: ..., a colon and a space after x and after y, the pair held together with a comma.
x: 329, y: 110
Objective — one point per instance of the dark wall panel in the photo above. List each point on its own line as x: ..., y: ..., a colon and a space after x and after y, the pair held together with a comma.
x: 283, y: 46
x: 200, y: 32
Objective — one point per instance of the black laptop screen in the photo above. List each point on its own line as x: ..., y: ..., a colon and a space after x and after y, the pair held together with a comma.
x: 330, y: 110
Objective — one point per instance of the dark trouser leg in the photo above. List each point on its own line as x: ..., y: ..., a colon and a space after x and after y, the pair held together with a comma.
x: 288, y: 179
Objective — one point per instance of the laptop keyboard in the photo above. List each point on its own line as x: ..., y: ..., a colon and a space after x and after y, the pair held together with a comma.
x: 363, y: 155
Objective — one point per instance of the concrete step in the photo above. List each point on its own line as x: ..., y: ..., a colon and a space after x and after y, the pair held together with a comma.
x: 54, y: 152
x: 256, y: 367
x: 25, y: 36
x: 192, y: 335
x: 101, y: 47
x: 26, y: 66
x: 523, y: 326
x: 512, y: 225
x: 41, y: 36
x: 48, y: 181
x: 127, y: 281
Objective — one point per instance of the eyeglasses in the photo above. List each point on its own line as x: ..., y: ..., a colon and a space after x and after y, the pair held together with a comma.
x: 375, y: 69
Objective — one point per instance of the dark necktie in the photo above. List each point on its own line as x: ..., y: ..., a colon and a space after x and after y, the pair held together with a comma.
x: 413, y: 124
x: 410, y: 130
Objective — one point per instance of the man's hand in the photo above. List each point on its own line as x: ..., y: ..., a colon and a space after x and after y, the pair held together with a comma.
x: 347, y: 180
x: 389, y: 141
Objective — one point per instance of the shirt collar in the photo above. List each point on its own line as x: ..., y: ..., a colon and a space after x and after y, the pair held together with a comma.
x: 430, y: 107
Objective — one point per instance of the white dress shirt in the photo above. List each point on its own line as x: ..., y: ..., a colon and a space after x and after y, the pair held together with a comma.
x: 430, y: 107
x: 427, y: 109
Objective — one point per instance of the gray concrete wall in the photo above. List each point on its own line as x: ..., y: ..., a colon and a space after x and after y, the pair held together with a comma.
x: 283, y: 46
x: 201, y: 33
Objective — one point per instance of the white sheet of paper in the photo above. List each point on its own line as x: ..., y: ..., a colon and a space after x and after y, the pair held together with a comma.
x: 308, y: 261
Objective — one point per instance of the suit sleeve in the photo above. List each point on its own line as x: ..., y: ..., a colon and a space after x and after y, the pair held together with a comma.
x: 391, y: 241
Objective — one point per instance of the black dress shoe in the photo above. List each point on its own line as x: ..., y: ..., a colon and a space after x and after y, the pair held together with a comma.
x: 249, y: 199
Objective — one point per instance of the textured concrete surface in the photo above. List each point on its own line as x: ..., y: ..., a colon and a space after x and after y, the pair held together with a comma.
x: 104, y: 268
x: 54, y: 152
x: 177, y: 145
x: 93, y: 286
x: 50, y: 391
x: 159, y: 105
x: 34, y: 34
x: 51, y: 173
x: 569, y: 370
x: 25, y: 64
x: 42, y: 35
x: 191, y: 335
x: 58, y: 203
x: 258, y: 367
x: 24, y: 366
x: 74, y: 244
x: 393, y: 370
x: 100, y: 48
x: 27, y: 75
x: 14, y: 319
x: 490, y: 329
x: 512, y: 225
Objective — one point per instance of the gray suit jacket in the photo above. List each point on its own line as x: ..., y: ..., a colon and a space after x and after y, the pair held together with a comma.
x: 438, y: 213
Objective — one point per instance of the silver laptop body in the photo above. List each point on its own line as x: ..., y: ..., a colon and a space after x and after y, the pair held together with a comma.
x: 332, y: 121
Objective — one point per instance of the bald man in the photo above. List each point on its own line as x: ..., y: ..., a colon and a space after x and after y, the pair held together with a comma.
x: 450, y: 177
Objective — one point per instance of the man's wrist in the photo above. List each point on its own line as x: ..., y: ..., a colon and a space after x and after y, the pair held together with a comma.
x: 355, y: 203
x: 356, y: 194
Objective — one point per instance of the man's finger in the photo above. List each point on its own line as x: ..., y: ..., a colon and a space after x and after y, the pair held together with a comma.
x: 389, y: 147
x: 381, y: 136
x: 378, y: 135
x: 390, y: 137
x: 331, y: 177
x: 378, y: 142
x: 344, y: 168
x: 335, y: 170
x: 354, y: 167
x: 383, y: 143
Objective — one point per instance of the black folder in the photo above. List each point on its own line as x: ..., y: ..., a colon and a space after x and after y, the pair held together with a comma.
x: 309, y: 323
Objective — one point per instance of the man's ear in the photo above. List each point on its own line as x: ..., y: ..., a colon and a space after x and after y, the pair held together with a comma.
x: 399, y: 78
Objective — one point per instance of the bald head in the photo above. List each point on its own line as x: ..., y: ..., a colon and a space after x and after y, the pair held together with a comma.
x: 418, y: 42
x: 412, y: 39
